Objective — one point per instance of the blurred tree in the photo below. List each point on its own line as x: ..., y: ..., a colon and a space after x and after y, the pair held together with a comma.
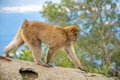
x: 99, y: 22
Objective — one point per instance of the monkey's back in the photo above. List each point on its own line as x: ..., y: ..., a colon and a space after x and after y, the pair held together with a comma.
x: 49, y: 34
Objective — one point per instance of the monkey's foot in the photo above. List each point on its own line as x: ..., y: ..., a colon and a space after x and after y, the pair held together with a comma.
x: 5, y: 58
x: 8, y: 56
x: 43, y: 64
x: 50, y: 65
x: 82, y: 69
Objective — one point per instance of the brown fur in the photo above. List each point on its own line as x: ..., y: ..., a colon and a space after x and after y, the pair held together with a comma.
x: 33, y: 33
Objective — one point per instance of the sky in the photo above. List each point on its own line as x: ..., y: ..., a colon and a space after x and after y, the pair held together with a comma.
x: 22, y: 6
x: 13, y: 13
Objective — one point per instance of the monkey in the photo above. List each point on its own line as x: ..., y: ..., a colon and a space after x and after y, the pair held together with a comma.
x: 34, y: 33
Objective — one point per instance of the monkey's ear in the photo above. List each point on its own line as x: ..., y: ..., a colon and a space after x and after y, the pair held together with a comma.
x: 71, y: 30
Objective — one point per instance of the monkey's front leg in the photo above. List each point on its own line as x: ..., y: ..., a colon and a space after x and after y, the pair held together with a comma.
x: 71, y: 52
x: 50, y: 53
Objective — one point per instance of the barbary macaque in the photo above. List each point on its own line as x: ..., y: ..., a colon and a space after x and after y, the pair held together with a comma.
x: 34, y: 33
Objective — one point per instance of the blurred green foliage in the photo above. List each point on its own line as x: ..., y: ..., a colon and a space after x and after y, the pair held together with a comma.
x: 24, y: 54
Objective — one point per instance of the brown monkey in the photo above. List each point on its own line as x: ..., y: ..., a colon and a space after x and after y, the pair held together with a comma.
x: 33, y: 33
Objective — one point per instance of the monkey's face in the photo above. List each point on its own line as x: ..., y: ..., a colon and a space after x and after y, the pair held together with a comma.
x: 72, y: 33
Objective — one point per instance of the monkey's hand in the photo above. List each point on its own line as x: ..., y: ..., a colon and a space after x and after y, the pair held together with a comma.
x: 43, y: 64
x: 82, y: 69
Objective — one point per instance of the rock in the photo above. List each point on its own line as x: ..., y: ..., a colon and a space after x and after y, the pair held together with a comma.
x: 12, y: 69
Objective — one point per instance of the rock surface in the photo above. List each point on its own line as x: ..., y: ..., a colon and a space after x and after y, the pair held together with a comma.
x: 12, y: 69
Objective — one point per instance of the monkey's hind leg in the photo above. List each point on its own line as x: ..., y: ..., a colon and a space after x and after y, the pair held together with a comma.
x: 35, y: 46
x: 15, y: 43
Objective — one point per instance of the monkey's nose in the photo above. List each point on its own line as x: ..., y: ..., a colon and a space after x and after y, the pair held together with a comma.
x: 75, y: 39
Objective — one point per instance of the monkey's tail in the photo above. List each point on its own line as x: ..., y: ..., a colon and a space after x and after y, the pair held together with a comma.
x: 16, y: 42
x: 25, y: 23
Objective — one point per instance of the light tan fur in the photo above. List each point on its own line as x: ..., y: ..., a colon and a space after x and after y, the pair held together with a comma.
x: 33, y: 33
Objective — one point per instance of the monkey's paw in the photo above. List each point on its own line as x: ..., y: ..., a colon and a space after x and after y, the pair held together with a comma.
x: 8, y: 56
x: 43, y: 64
x: 82, y: 69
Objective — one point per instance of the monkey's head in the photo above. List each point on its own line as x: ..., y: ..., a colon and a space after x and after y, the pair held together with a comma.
x: 72, y: 32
